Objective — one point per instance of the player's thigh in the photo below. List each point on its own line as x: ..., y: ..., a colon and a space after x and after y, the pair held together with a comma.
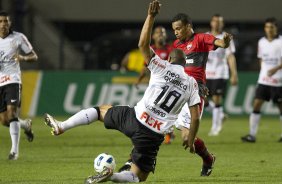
x: 3, y: 118
x: 142, y: 176
x: 263, y: 92
x: 276, y: 95
x: 12, y: 94
x: 219, y: 89
x: 210, y: 85
x: 257, y: 104
x: 103, y: 111
x: 121, y: 118
x: 12, y: 112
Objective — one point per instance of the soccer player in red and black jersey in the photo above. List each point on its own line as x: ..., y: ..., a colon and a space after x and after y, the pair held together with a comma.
x: 160, y: 47
x: 196, y: 47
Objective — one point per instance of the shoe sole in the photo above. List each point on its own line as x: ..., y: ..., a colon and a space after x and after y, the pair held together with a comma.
x: 29, y: 134
x: 214, y: 158
x: 247, y: 140
x: 101, y: 179
x: 50, y: 124
x: 209, y: 173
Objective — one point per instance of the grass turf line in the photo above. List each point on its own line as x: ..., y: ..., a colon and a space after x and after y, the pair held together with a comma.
x: 69, y: 158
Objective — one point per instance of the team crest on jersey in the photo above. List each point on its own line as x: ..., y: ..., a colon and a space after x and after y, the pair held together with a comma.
x: 189, y: 46
x: 163, y: 55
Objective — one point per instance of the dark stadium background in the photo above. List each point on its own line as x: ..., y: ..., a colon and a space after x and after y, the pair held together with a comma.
x: 101, y: 32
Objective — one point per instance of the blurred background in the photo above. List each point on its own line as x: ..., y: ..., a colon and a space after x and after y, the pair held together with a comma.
x: 95, y: 35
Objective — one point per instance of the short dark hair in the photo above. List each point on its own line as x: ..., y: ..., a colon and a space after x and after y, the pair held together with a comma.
x: 184, y: 18
x: 216, y: 15
x: 271, y: 20
x: 4, y: 13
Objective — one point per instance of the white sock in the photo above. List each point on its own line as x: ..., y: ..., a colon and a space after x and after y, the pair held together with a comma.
x: 220, y: 117
x: 23, y: 124
x: 210, y: 107
x: 124, y: 176
x: 281, y: 123
x: 216, y: 125
x: 83, y: 117
x: 15, y: 136
x: 254, y: 122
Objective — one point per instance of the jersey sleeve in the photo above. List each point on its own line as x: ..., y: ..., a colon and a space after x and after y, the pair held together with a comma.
x: 259, y: 55
x: 25, y: 45
x: 157, y: 65
x: 231, y: 49
x: 194, y: 93
x: 208, y: 40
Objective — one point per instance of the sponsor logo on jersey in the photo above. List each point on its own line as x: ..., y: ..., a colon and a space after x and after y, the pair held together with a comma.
x: 155, y: 62
x: 270, y: 80
x: 189, y: 61
x: 271, y: 61
x: 163, y: 55
x: 156, y: 111
x: 152, y: 122
x: 189, y: 46
x: 5, y: 78
x: 174, y: 79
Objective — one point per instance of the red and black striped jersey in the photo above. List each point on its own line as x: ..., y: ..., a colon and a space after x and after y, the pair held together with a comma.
x: 196, y: 50
x: 163, y: 53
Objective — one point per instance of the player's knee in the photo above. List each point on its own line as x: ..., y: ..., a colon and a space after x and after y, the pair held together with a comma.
x: 11, y: 115
x: 103, y: 109
x: 4, y: 120
x: 256, y: 111
x: 142, y: 178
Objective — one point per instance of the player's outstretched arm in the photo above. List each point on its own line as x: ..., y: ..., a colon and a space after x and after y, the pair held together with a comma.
x: 223, y: 43
x: 145, y: 36
x: 145, y: 71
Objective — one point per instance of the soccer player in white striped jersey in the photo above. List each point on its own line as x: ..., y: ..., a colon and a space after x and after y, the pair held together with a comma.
x: 270, y: 77
x: 217, y: 74
x: 14, y: 48
x: 145, y: 124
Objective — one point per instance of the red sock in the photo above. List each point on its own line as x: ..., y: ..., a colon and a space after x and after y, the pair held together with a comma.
x: 202, y: 151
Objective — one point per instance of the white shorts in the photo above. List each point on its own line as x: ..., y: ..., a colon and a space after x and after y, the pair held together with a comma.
x: 184, y: 117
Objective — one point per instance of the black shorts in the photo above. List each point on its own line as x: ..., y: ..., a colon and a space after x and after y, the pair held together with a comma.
x: 217, y: 86
x: 266, y: 93
x: 10, y: 95
x: 146, y: 142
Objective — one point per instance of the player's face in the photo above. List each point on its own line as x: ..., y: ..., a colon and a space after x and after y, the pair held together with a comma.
x: 270, y: 30
x: 159, y: 35
x: 181, y: 31
x: 5, y: 25
x: 217, y: 24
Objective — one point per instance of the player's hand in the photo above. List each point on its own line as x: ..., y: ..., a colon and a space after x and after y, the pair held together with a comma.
x: 204, y: 91
x: 271, y: 72
x: 18, y: 58
x: 154, y: 8
x: 227, y: 38
x: 234, y: 80
x: 186, y: 142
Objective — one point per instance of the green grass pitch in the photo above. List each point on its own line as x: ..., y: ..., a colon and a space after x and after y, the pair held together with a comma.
x: 68, y: 159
